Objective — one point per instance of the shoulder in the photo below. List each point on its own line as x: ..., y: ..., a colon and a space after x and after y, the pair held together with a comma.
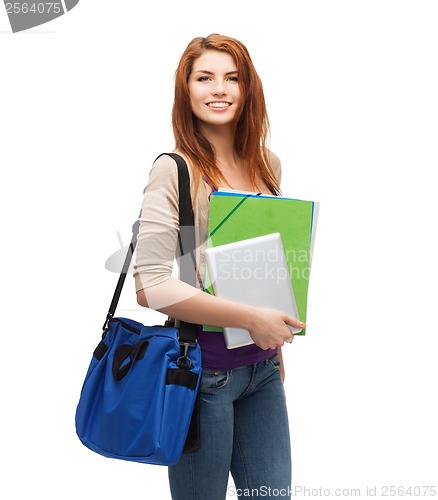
x: 162, y: 183
x: 275, y: 161
x: 163, y: 173
x: 165, y: 166
x: 275, y: 164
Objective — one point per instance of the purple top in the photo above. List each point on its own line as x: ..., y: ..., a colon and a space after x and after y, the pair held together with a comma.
x: 216, y: 355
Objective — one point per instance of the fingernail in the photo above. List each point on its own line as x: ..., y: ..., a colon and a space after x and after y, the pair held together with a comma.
x: 302, y: 324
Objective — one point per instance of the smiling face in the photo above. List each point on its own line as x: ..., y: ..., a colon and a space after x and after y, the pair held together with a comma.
x: 214, y: 88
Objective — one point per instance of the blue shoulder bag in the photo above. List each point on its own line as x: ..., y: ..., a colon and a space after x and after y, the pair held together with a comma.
x: 139, y: 401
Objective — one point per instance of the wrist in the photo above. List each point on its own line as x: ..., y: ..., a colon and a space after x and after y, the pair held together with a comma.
x: 249, y: 317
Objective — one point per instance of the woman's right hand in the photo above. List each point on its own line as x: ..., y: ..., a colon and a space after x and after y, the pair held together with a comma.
x: 268, y: 327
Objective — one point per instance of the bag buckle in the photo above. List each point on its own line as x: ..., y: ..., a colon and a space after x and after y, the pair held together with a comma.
x: 169, y: 323
x: 105, y: 326
x: 184, y: 361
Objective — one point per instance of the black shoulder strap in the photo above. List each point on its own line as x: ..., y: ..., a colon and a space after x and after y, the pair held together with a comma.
x: 186, y: 239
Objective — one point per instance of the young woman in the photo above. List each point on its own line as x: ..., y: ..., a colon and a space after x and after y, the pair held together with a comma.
x: 220, y: 126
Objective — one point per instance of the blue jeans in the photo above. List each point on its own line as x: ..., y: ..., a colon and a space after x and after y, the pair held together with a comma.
x: 245, y: 431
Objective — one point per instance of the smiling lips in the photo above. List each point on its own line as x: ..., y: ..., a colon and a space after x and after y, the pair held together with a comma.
x: 218, y: 105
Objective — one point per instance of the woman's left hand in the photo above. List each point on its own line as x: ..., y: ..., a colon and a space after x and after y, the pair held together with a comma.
x: 282, y: 372
x: 281, y: 367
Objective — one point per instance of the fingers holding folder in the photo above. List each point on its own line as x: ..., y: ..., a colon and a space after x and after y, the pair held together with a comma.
x: 268, y: 327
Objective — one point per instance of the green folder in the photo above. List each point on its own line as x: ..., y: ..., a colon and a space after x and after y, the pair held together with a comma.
x: 237, y: 216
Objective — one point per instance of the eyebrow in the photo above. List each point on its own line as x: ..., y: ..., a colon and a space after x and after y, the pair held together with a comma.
x: 210, y: 73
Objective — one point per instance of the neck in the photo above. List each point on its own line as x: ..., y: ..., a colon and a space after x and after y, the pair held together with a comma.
x: 222, y: 140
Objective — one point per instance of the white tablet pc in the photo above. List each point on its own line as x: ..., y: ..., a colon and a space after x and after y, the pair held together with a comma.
x: 255, y: 272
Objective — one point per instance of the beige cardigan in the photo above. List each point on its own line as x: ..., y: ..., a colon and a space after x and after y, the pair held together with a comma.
x: 159, y: 223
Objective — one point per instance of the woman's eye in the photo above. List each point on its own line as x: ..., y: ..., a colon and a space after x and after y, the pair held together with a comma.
x: 207, y: 78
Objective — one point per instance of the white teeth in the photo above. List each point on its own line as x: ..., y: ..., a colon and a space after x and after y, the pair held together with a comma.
x: 218, y: 104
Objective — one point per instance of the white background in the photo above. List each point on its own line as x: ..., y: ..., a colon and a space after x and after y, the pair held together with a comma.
x: 351, y: 88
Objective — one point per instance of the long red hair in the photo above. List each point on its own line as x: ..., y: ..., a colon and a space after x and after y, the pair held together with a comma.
x: 252, y: 127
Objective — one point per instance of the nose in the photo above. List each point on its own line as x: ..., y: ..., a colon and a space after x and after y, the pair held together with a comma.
x: 219, y: 88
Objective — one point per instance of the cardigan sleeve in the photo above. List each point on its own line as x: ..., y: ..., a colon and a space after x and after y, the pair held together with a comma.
x: 159, y: 224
